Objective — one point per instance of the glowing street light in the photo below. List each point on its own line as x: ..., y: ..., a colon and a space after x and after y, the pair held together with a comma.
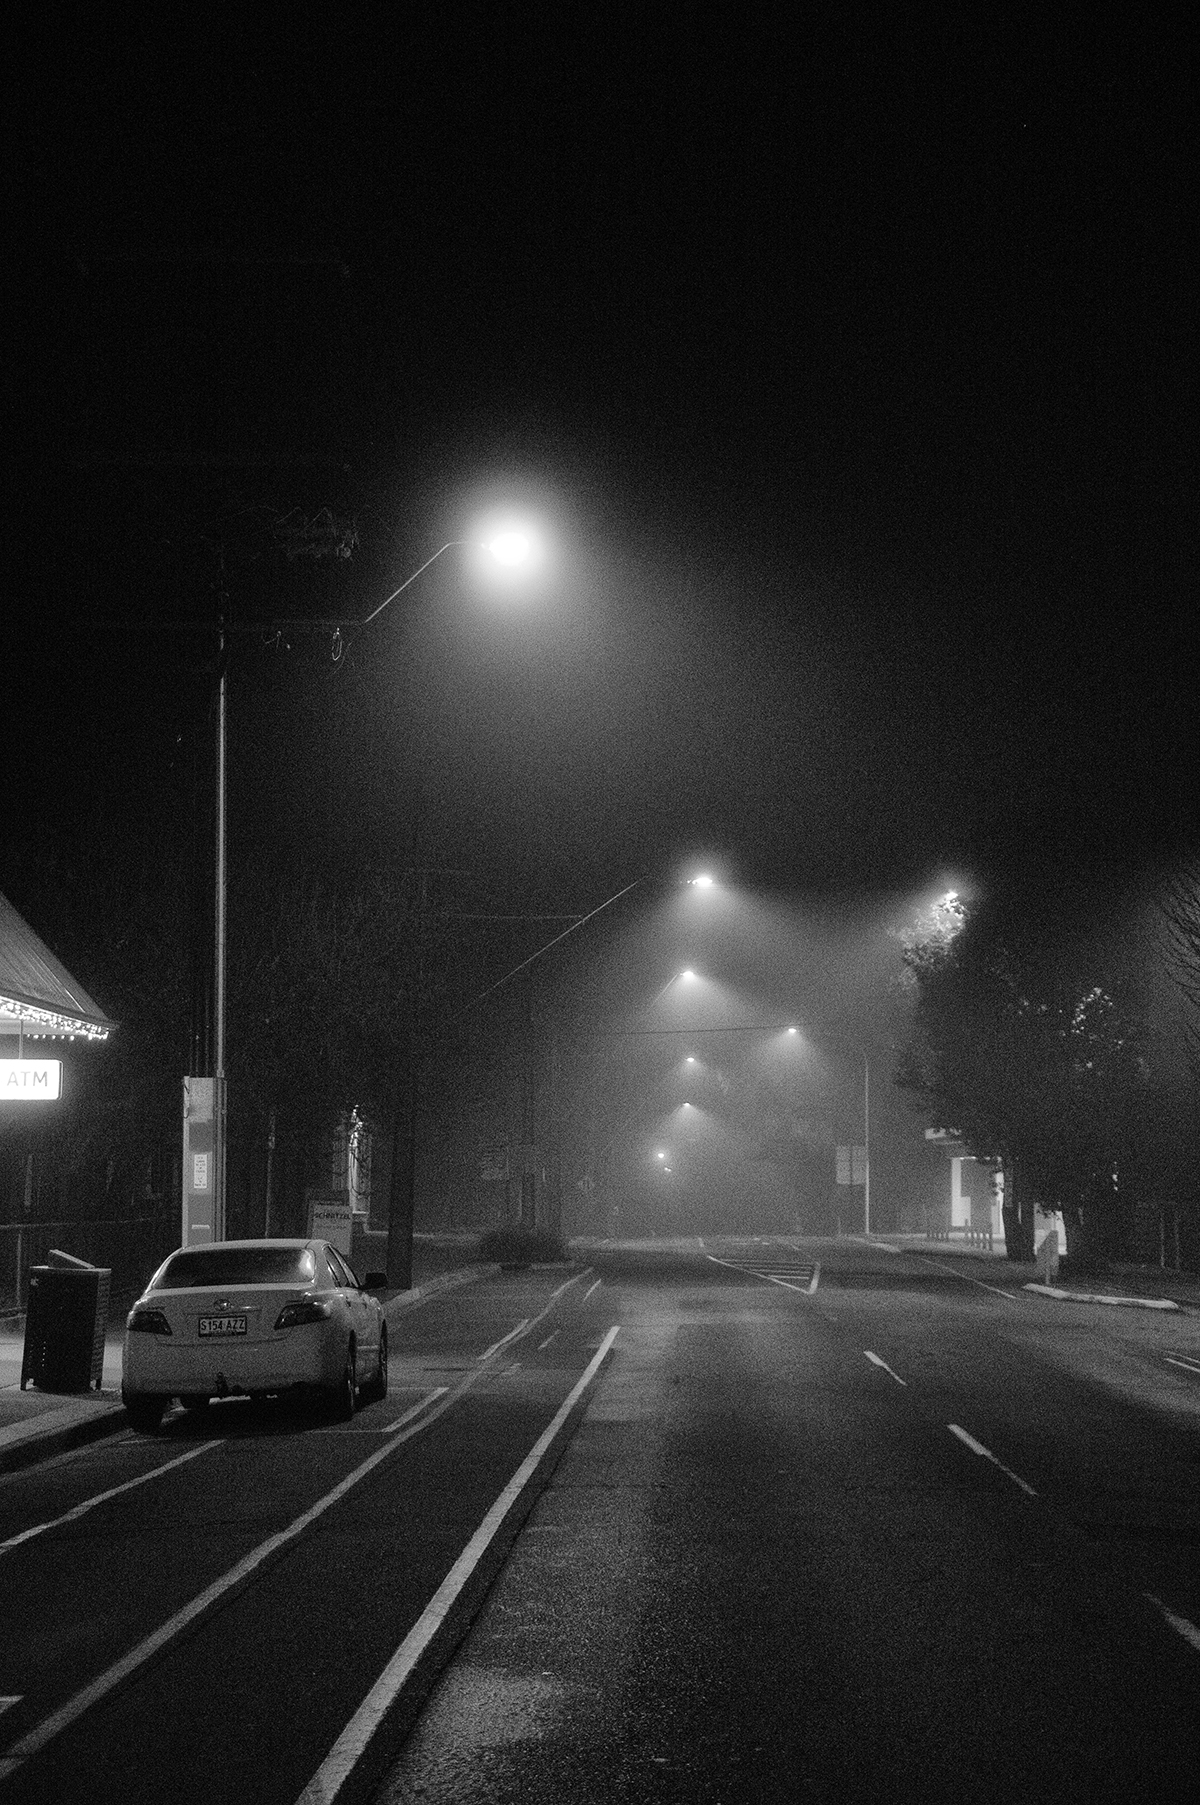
x: 510, y: 547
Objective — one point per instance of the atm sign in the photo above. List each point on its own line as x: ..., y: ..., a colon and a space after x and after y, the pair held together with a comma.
x: 30, y: 1080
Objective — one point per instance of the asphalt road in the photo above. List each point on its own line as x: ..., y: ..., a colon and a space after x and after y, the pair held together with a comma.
x: 199, y: 1614
x: 904, y: 1534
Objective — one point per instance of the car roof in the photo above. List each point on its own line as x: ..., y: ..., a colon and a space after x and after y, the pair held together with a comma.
x: 292, y: 1245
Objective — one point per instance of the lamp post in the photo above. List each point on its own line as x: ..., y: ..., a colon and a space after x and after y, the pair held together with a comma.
x: 204, y: 1094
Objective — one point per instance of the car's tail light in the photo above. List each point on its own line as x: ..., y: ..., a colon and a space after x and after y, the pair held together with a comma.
x: 143, y: 1321
x: 305, y: 1309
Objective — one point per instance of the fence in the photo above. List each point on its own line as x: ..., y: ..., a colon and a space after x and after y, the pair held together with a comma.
x: 970, y: 1237
x: 131, y: 1246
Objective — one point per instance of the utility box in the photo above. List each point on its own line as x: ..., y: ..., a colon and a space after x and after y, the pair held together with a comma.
x: 65, y: 1323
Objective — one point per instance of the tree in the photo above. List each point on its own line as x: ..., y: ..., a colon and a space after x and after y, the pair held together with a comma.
x: 1179, y: 907
x: 1032, y: 1049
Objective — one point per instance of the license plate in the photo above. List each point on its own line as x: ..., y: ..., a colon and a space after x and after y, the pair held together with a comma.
x: 222, y: 1325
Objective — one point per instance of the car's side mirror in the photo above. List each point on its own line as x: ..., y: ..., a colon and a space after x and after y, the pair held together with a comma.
x: 375, y: 1281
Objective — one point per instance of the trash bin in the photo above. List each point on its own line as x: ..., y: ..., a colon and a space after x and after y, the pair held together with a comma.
x: 65, y: 1323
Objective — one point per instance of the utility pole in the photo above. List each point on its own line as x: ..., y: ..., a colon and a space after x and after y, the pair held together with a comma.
x: 866, y: 1144
x: 529, y: 1121
x: 402, y: 1184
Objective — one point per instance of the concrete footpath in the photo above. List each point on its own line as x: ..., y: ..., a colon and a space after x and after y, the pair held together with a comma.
x: 35, y: 1424
x: 1145, y: 1287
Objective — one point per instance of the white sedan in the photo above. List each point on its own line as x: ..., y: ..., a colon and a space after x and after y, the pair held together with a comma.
x: 252, y: 1318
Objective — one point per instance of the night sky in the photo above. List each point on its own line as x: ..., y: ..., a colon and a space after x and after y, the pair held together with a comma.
x: 847, y: 362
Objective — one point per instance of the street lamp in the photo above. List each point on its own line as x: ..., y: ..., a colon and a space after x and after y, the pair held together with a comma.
x: 204, y: 1096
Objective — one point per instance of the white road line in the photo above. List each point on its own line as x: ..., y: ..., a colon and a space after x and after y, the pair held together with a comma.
x: 81, y: 1510
x: 594, y: 1286
x: 815, y: 1278
x: 1010, y: 1295
x: 977, y: 1447
x: 330, y: 1777
x: 1183, y: 1625
x: 439, y: 1391
x: 542, y: 1345
x: 753, y: 1273
x: 876, y: 1361
x: 504, y: 1340
x: 1190, y: 1366
x: 170, y: 1631
x: 13, y: 1698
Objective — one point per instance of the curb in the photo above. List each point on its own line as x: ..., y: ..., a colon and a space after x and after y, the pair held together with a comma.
x: 442, y: 1281
x: 1090, y: 1297
x: 23, y: 1443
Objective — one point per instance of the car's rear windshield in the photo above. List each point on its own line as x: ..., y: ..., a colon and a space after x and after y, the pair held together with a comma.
x: 203, y: 1266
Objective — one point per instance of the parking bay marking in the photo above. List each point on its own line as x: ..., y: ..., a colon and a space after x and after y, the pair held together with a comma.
x: 439, y: 1391
x: 81, y: 1510
x: 528, y: 1323
x: 233, y: 1581
x: 346, y: 1752
x: 239, y: 1576
x: 504, y: 1340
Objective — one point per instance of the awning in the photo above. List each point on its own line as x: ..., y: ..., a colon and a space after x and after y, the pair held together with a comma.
x: 38, y: 995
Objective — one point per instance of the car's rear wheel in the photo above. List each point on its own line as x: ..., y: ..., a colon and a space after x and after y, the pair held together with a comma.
x: 144, y: 1409
x: 378, y: 1387
x: 195, y: 1400
x: 344, y: 1395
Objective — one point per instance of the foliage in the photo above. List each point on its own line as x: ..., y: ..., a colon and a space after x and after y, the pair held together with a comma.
x: 1179, y: 907
x: 522, y: 1246
x: 1026, y: 1043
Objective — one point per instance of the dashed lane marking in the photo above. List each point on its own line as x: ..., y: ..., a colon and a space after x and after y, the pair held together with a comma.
x: 876, y: 1361
x: 543, y: 1345
x: 1182, y: 1625
x: 594, y: 1286
x: 977, y: 1447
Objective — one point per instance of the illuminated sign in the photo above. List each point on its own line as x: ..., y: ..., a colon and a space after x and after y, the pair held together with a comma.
x: 30, y: 1080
